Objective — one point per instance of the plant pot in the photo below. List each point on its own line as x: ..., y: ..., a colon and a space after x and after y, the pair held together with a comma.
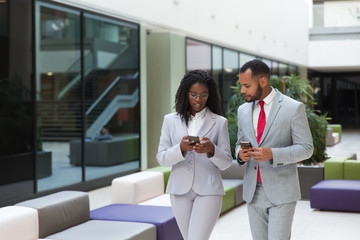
x: 308, y: 177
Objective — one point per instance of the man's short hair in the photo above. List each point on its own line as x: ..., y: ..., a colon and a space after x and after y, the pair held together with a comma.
x: 257, y: 67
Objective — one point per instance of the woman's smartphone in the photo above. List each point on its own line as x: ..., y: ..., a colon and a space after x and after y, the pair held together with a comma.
x: 245, y: 144
x: 194, y: 138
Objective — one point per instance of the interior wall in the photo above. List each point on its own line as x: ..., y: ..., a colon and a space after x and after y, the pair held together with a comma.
x: 165, y: 68
x: 143, y: 97
x: 334, y: 54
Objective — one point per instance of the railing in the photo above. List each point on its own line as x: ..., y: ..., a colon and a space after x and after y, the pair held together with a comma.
x: 104, y: 108
x: 90, y: 64
x: 76, y: 79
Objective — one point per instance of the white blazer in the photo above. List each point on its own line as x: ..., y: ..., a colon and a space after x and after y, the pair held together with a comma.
x: 194, y: 170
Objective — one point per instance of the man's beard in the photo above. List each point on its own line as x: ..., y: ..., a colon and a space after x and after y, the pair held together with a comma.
x: 257, y: 94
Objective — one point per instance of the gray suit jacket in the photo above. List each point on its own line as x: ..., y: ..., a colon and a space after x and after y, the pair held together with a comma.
x: 195, y: 171
x: 288, y: 135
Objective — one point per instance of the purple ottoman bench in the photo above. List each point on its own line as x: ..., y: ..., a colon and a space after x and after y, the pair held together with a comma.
x: 162, y: 217
x: 343, y: 195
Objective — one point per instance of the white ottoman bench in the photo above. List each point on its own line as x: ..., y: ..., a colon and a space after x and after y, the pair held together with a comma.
x: 137, y: 187
x: 19, y: 223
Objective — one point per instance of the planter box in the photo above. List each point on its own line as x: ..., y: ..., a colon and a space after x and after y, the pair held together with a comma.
x: 308, y: 177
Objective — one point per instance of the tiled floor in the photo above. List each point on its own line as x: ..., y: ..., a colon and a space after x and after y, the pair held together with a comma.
x: 309, y: 224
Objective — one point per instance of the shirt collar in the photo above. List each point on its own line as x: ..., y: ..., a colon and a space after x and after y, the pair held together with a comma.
x: 200, y: 114
x: 269, y: 98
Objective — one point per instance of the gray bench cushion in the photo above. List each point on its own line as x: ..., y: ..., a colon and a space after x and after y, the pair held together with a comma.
x: 60, y: 211
x: 107, y: 230
x: 106, y: 153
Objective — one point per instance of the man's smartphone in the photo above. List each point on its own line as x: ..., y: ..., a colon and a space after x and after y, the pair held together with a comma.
x: 194, y: 138
x: 245, y: 144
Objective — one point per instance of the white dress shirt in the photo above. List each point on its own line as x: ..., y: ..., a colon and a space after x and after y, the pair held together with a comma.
x: 267, y: 107
x: 196, y: 122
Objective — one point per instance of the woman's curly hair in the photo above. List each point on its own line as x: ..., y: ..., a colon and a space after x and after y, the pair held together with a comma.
x: 182, y: 105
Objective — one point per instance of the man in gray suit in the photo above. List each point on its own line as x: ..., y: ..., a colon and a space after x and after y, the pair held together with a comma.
x: 278, y: 130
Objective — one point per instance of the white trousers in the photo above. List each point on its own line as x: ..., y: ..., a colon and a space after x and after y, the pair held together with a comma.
x: 267, y: 220
x: 196, y: 215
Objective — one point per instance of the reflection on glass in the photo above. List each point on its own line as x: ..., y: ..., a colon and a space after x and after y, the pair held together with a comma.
x: 293, y: 70
x: 111, y: 98
x: 16, y: 149
x: 274, y: 68
x: 267, y: 62
x: 198, y: 55
x: 243, y: 58
x: 111, y: 95
x: 16, y: 108
x: 283, y: 69
x: 231, y: 72
x: 217, y: 64
x: 58, y: 110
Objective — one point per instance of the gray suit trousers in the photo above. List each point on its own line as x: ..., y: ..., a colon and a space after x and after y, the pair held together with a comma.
x: 267, y: 220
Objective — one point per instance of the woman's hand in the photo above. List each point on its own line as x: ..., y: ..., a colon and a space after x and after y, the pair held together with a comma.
x: 186, y: 145
x: 205, y: 146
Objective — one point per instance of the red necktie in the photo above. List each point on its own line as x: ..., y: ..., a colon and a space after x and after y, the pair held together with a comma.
x: 260, y: 130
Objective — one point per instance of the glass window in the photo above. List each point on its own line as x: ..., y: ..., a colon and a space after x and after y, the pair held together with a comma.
x: 293, y: 69
x: 230, y: 76
x: 198, y: 55
x: 283, y: 69
x: 217, y: 63
x: 243, y: 58
x: 274, y: 68
x: 267, y: 62
x: 58, y: 93
x: 105, y: 91
x: 16, y: 102
x: 112, y: 96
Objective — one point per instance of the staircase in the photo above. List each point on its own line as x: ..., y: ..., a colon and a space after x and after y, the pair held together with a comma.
x: 59, y: 120
x: 59, y: 110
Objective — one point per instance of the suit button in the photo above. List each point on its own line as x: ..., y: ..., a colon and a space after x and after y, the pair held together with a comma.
x: 255, y: 168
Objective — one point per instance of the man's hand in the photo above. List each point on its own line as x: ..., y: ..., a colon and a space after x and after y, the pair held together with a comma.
x: 244, y: 154
x: 261, y: 154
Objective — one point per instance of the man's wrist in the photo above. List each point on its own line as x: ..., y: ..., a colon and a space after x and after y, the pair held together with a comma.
x: 241, y: 162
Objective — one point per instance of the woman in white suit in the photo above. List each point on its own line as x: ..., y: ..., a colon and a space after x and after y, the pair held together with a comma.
x: 195, y: 184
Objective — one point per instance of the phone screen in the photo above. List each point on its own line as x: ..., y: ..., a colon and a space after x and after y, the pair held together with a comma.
x: 245, y: 144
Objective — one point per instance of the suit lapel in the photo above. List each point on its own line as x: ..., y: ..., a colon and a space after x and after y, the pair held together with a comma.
x: 273, y: 112
x: 249, y: 122
x: 181, y: 128
x: 209, y: 122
